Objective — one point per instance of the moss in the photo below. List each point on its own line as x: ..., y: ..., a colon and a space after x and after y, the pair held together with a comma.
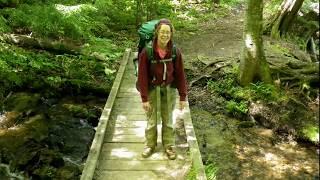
x: 311, y: 133
x: 77, y: 110
x: 192, y: 174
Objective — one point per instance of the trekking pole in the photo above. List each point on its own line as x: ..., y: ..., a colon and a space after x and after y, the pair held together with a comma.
x: 158, y: 104
x: 169, y: 105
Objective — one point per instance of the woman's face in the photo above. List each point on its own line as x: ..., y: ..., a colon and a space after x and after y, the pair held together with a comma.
x: 164, y: 34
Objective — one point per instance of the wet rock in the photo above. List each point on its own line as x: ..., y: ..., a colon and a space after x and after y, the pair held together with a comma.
x: 68, y: 134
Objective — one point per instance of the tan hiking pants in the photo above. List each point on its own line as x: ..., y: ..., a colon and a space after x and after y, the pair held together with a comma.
x: 161, y: 111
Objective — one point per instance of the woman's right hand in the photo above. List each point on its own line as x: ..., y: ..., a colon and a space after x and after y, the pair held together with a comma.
x: 146, y: 106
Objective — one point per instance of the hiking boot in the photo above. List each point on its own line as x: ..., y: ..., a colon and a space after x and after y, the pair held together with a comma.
x: 147, y: 152
x: 171, y: 153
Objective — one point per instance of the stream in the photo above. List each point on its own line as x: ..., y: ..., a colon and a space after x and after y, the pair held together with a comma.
x: 46, y: 138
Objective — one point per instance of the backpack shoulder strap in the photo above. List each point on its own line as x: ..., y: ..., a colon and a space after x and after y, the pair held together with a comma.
x: 174, y: 52
x: 149, y: 49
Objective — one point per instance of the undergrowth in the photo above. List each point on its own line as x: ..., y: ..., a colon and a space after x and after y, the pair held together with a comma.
x: 21, y: 68
x: 238, y: 98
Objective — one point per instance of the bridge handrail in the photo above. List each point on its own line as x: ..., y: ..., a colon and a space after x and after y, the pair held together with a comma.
x: 194, y: 148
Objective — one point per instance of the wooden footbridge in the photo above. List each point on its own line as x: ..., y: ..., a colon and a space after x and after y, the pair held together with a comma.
x: 115, y: 152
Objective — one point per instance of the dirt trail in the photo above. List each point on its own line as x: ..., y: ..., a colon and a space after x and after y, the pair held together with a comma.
x: 221, y: 38
x: 248, y: 153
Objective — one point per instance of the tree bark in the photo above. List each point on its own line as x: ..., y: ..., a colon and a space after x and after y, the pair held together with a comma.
x: 311, y: 49
x: 253, y: 65
x: 284, y: 17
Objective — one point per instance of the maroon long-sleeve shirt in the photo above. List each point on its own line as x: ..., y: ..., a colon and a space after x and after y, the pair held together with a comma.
x: 148, y: 70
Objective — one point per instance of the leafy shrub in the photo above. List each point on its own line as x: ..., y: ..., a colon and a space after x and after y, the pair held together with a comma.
x: 20, y: 68
x: 264, y: 91
x: 57, y: 21
x: 228, y: 87
x: 211, y: 171
x: 237, y: 108
x: 3, y: 25
x: 310, y: 132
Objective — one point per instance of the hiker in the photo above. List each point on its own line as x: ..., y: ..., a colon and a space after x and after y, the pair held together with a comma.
x: 157, y: 80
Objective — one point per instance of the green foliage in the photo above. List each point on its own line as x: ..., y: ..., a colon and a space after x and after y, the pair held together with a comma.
x: 20, y: 68
x: 237, y: 108
x: 192, y: 174
x: 271, y: 7
x: 304, y: 122
x: 264, y: 91
x: 211, y: 171
x: 57, y: 21
x: 238, y: 97
x: 3, y: 25
x: 65, y: 2
x: 227, y: 86
x: 104, y: 47
x: 120, y: 13
x: 232, y: 2
x: 42, y: 21
x: 310, y: 132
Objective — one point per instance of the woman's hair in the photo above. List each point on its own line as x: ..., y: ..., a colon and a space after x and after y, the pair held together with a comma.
x: 157, y: 28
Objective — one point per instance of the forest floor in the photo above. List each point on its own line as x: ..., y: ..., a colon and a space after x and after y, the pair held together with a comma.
x: 232, y: 152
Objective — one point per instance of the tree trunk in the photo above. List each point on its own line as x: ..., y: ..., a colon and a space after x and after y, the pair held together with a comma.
x: 311, y: 49
x: 152, y: 7
x: 253, y: 65
x: 139, y: 12
x: 284, y: 17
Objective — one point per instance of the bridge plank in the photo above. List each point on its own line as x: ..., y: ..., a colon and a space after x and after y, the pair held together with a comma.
x: 131, y: 124
x: 132, y: 151
x: 132, y: 131
x: 130, y: 117
x: 125, y: 138
x: 140, y: 165
x: 122, y: 175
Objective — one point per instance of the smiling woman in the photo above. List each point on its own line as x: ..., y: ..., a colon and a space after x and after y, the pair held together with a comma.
x: 157, y: 76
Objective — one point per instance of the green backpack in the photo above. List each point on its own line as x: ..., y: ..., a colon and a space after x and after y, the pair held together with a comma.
x: 146, y: 33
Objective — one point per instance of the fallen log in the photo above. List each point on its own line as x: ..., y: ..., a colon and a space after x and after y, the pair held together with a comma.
x: 37, y: 43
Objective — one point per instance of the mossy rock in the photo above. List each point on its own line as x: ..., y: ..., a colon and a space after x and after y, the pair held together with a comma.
x: 68, y: 172
x: 44, y: 172
x: 22, y: 102
x: 77, y: 110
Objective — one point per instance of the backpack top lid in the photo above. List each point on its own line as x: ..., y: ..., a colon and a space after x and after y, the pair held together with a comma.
x: 146, y: 31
